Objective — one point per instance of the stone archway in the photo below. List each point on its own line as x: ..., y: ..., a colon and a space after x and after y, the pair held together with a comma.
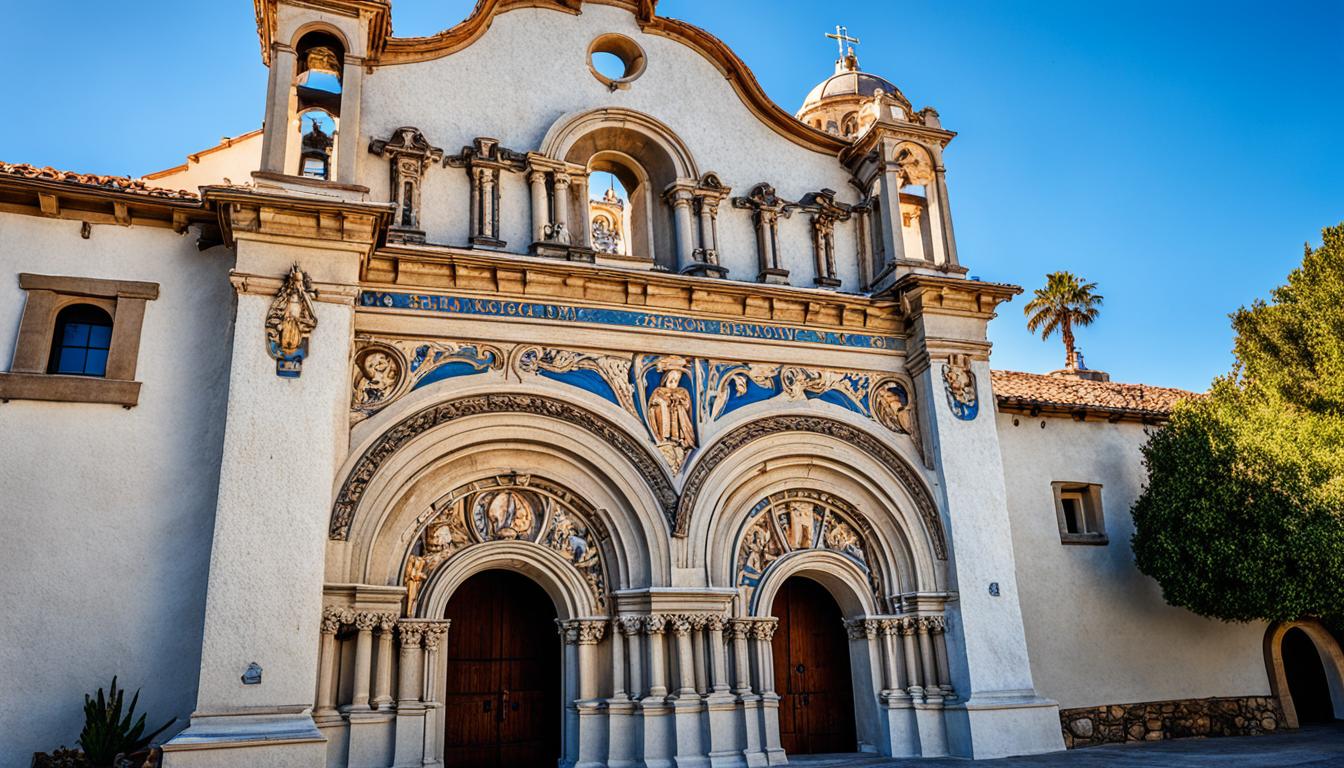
x: 814, y: 680
x: 1331, y: 659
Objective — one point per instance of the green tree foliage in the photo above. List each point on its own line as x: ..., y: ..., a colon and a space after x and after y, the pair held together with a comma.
x: 1064, y: 302
x: 1243, y: 515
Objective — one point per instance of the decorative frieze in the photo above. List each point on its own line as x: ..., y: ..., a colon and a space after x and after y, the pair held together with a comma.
x: 387, y: 369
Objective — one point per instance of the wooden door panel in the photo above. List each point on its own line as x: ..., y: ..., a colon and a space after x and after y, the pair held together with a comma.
x: 502, y: 706
x: 811, y: 655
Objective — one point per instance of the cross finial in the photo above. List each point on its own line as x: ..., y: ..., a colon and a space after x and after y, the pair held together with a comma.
x: 841, y: 37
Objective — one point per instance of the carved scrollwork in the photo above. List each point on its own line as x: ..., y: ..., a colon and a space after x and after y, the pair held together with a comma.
x: 613, y: 370
x: 387, y: 369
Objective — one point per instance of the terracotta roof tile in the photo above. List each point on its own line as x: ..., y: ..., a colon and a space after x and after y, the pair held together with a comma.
x: 1014, y: 388
x: 110, y: 183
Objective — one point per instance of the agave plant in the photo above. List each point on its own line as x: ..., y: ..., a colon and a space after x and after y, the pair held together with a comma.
x: 107, y: 733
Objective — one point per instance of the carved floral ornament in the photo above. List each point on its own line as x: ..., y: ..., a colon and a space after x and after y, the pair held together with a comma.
x: 674, y: 397
x: 507, y: 508
x: 796, y: 521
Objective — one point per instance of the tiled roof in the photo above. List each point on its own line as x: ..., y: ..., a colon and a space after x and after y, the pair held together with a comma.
x: 110, y: 183
x: 1025, y: 390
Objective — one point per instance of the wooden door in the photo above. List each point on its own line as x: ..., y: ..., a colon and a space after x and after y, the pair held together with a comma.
x: 502, y: 659
x: 811, y: 654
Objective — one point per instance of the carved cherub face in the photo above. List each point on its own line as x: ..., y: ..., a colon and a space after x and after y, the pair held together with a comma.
x: 379, y: 368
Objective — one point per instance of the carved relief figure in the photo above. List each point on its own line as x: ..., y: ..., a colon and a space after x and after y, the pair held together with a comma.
x: 894, y: 409
x: 840, y: 536
x: 960, y: 383
x: 669, y: 412
x: 800, y: 524
x: 914, y: 166
x: 289, y: 322
x: 510, y: 515
x: 379, y: 372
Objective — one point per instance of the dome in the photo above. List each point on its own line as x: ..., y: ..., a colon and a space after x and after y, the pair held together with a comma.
x: 849, y: 83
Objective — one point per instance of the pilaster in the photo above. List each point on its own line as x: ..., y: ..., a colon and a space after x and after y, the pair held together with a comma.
x: 998, y: 712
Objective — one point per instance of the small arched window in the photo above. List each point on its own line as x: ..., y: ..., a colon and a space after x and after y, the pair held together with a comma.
x: 80, y: 343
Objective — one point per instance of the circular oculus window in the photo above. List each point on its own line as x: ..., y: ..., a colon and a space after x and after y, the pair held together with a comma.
x: 615, y: 60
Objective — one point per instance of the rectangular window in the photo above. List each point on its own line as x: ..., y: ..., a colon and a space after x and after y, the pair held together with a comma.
x: 1078, y: 509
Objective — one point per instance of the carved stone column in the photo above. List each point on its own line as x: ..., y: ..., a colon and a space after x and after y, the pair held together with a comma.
x: 332, y: 619
x: 654, y: 624
x: 763, y: 632
x: 382, y: 676
x: 681, y: 628
x: 484, y: 161
x: 718, y: 650
x: 541, y: 213
x: 561, y: 212
x: 825, y: 213
x: 434, y: 634
x: 930, y: 676
x: 892, y: 680
x: 679, y: 197
x: 739, y: 631
x: 617, y: 662
x: 707, y: 197
x: 632, y: 628
x: 938, y: 630
x: 347, y: 131
x: 409, y: 669
x: 698, y: 623
x: 364, y: 624
x: 914, y: 688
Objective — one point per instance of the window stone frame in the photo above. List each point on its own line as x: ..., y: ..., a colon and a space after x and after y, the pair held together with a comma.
x: 123, y: 300
x: 1093, y: 515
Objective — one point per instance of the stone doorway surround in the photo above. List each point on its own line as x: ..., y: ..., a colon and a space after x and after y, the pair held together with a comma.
x: 1332, y: 659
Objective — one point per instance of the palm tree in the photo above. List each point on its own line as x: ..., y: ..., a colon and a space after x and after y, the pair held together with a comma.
x: 1063, y: 303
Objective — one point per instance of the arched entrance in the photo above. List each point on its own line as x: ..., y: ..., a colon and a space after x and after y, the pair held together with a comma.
x: 502, y: 662
x: 1306, y: 671
x: 811, y: 659
x: 1306, y: 678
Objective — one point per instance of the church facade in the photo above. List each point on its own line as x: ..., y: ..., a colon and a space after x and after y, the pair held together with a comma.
x: 400, y: 438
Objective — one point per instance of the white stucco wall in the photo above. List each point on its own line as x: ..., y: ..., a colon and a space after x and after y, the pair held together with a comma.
x: 108, y: 511
x: 530, y: 68
x: 232, y: 164
x: 1098, y: 630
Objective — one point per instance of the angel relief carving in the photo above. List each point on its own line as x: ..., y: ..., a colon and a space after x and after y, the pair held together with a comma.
x: 508, y: 508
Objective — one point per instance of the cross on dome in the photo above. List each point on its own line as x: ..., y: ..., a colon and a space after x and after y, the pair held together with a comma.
x: 841, y: 36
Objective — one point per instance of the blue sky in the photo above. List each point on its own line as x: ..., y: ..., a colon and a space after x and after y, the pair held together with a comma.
x: 1177, y: 153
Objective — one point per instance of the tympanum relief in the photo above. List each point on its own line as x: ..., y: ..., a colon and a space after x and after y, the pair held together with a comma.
x: 794, y: 521
x: 512, y: 507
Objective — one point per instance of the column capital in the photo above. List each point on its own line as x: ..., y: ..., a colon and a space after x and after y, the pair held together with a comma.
x: 764, y: 628
x: 434, y: 633
x: 334, y: 617
x: 411, y: 632
x: 655, y: 623
x: 581, y: 631
x: 863, y: 628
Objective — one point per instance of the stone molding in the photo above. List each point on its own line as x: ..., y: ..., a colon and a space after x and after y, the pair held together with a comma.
x: 352, y: 490
x: 743, y: 435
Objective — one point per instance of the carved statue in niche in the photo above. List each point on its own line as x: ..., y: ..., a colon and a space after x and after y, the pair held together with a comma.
x: 959, y: 381
x: 913, y: 166
x: 669, y: 412
x: 289, y: 322
x: 379, y: 372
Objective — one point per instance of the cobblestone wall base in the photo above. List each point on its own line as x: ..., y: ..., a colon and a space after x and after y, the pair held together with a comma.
x: 1178, y: 719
